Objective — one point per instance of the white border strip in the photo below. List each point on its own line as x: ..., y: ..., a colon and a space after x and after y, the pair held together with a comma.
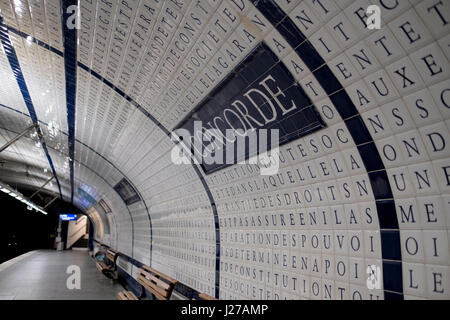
x: 9, y: 263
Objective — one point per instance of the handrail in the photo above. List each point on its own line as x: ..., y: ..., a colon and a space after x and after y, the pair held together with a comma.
x: 80, y: 220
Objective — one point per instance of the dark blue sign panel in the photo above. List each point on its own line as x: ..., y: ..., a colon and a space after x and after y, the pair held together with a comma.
x: 260, y: 93
x: 127, y: 192
x: 67, y: 217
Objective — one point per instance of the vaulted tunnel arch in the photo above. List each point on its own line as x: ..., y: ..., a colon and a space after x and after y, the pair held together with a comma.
x: 363, y: 176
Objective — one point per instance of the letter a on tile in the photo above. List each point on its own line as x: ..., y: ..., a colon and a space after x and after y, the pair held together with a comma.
x: 374, y: 19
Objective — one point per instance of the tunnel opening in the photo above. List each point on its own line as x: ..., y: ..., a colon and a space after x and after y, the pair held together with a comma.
x: 23, y: 230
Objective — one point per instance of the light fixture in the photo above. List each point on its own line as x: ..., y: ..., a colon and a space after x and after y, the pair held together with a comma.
x: 15, y: 194
x: 5, y: 190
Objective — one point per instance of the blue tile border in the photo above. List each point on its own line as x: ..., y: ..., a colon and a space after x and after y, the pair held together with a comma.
x: 70, y: 67
x: 392, y: 284
x: 17, y: 71
x: 36, y: 41
x: 390, y: 245
x: 370, y: 155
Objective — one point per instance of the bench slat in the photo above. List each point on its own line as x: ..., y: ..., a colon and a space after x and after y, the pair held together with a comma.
x: 110, y: 258
x: 126, y: 295
x: 111, y: 255
x: 160, y: 274
x: 157, y: 295
x: 205, y: 296
x: 101, y: 266
x: 159, y: 282
x: 153, y: 287
x: 130, y: 295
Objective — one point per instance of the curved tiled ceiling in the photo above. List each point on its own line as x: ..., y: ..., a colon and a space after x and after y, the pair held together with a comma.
x: 364, y: 167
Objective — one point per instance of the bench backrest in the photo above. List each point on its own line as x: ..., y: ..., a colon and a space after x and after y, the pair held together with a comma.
x: 126, y: 295
x: 100, y: 266
x: 159, y: 284
x: 111, y: 255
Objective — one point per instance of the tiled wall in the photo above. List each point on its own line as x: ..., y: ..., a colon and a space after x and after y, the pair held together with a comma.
x: 370, y: 188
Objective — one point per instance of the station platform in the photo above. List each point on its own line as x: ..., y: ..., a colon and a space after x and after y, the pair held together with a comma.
x: 41, y: 275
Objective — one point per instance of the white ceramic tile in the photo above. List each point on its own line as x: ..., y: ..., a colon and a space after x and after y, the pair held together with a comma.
x: 325, y: 211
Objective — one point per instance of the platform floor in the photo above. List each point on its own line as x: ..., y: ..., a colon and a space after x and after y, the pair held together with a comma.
x: 42, y: 276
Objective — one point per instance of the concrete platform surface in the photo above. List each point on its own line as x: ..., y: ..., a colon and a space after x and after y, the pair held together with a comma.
x: 42, y: 275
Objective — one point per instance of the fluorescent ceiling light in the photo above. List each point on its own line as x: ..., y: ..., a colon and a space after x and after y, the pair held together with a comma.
x: 6, y: 189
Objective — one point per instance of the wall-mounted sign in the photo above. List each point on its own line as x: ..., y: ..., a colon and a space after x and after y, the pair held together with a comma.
x: 104, y: 206
x: 127, y: 192
x: 260, y: 93
x: 86, y: 198
x: 67, y: 217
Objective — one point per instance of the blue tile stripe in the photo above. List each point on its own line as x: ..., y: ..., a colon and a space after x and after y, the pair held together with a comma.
x: 17, y: 71
x: 390, y: 234
x: 70, y: 67
x: 36, y: 41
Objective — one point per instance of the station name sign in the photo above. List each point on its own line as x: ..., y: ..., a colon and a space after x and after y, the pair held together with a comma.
x: 67, y: 217
x: 260, y: 93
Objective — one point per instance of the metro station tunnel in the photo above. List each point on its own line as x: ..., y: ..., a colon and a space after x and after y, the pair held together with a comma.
x: 224, y: 150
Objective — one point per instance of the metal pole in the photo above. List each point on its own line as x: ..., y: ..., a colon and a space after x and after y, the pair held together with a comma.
x: 18, y: 137
x: 43, y: 186
x: 51, y: 201
x: 59, y: 244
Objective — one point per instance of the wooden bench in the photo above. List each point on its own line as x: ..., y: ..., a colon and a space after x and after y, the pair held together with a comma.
x: 127, y: 295
x: 204, y: 296
x: 112, y: 255
x: 108, y: 267
x: 101, y: 266
x: 160, y: 285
